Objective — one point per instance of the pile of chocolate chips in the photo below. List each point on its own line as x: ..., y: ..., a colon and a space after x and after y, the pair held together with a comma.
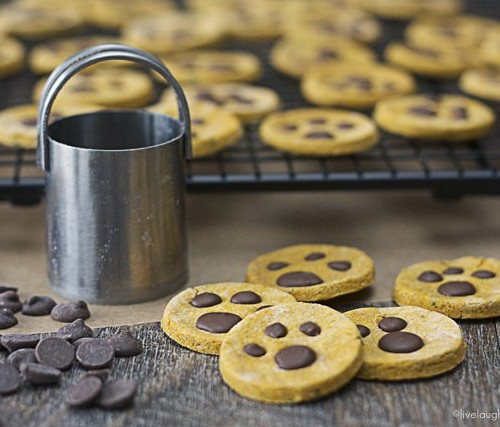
x: 40, y: 359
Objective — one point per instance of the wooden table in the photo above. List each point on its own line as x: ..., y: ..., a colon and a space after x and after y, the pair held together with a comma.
x: 182, y: 388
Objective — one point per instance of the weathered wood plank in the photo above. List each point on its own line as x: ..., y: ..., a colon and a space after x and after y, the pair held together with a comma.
x: 183, y: 388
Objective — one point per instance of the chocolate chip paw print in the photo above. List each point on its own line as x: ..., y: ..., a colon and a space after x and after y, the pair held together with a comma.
x: 402, y: 343
x: 199, y: 318
x: 465, y: 288
x: 313, y: 272
x: 289, y: 353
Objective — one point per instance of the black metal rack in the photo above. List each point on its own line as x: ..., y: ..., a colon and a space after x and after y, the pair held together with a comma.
x: 449, y: 170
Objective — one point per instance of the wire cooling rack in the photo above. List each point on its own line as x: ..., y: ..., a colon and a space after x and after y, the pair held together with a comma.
x: 449, y: 170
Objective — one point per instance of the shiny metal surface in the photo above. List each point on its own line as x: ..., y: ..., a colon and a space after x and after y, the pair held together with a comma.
x: 115, y: 195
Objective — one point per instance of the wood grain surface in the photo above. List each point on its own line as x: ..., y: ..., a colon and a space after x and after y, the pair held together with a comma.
x: 182, y: 388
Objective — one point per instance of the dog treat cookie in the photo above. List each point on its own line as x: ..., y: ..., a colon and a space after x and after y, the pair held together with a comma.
x: 11, y: 56
x: 46, y: 56
x: 108, y: 87
x: 294, y: 56
x: 199, y: 318
x: 435, y: 117
x: 319, y: 132
x: 464, y: 288
x: 404, y: 343
x: 313, y: 272
x: 291, y: 353
x: 214, y: 66
x: 481, y: 82
x: 408, y: 9
x: 18, y: 123
x: 173, y: 32
x: 354, y: 86
x: 431, y: 61
x: 248, y: 102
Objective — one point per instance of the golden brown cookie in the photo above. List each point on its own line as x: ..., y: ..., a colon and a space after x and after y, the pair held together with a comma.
x: 481, y: 82
x: 404, y: 343
x: 291, y: 353
x: 354, y: 85
x: 11, y: 56
x: 313, y: 272
x: 319, y: 132
x: 408, y: 9
x: 430, y: 117
x: 490, y: 49
x: 464, y: 288
x: 200, y: 317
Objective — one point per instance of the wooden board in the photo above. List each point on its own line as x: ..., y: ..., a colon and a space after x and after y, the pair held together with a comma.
x: 183, y: 388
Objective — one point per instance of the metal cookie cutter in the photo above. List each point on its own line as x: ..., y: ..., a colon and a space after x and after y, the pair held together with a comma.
x: 115, y: 192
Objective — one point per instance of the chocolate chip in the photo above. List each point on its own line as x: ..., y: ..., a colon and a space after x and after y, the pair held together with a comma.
x: 327, y: 54
x: 317, y: 121
x: 246, y: 297
x: 315, y: 256
x: 7, y: 318
x: 289, y: 127
x: 319, y: 135
x: 363, y: 330
x: 126, y: 345
x: 277, y: 266
x: 361, y: 83
x: 392, y: 324
x: 340, y: 265
x: 310, y: 328
x: 198, y: 122
x: 483, y: 274
x: 217, y: 323
x: 254, y: 350
x: 345, y: 125
x: 453, y: 270
x: 10, y: 300
x: 21, y: 357
x: 295, y: 357
x: 55, y: 352
x: 7, y: 288
x: 240, y: 99
x: 30, y: 122
x: 460, y: 113
x: 100, y: 373
x: 400, y: 342
x: 70, y: 311
x: 38, y: 306
x: 422, y: 110
x: 79, y: 342
x: 75, y: 330
x: 16, y: 341
x: 263, y: 307
x: 206, y: 299
x: 95, y: 354
x: 276, y: 330
x: 298, y: 279
x: 10, y: 379
x: 118, y: 394
x: 430, y: 277
x: 457, y: 289
x: 39, y: 374
x: 208, y: 97
x: 84, y: 392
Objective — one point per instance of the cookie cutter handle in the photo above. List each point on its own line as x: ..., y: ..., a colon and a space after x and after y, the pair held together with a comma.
x: 85, y: 59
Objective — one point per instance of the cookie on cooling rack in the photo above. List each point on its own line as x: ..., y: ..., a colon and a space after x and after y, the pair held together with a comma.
x: 481, y: 82
x: 11, y: 56
x: 408, y: 9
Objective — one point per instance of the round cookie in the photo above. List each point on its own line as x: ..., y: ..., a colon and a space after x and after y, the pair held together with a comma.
x: 319, y: 132
x: 432, y: 61
x: 214, y: 66
x: 11, y: 56
x: 481, y: 82
x: 408, y: 9
x: 200, y: 317
x: 18, y: 123
x: 354, y: 86
x: 173, y: 32
x: 443, y: 117
x: 249, y: 103
x: 404, y: 343
x: 291, y: 353
x: 45, y: 57
x: 106, y: 86
x: 294, y: 56
x: 313, y: 272
x: 464, y: 288
x: 490, y: 49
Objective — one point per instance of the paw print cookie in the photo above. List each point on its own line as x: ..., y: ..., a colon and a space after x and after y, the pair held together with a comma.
x: 313, y: 272
x: 435, y: 117
x: 464, y: 288
x: 291, y: 353
x: 404, y: 343
x: 211, y: 66
x: 481, y: 82
x: 319, y: 132
x: 11, y: 56
x: 293, y: 56
x: 199, y: 318
x: 354, y: 85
